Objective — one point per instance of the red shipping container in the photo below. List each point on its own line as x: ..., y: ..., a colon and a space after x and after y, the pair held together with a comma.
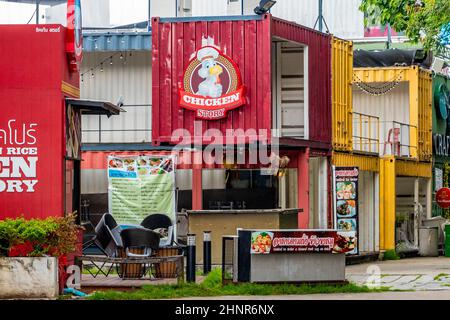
x: 248, y: 42
x: 34, y: 81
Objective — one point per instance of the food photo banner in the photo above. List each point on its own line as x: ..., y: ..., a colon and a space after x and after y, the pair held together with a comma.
x: 346, y: 206
x: 298, y: 241
x: 139, y: 186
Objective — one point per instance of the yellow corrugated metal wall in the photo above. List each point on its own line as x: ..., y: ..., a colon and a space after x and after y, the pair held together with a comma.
x: 425, y: 115
x: 342, y: 74
x: 387, y: 203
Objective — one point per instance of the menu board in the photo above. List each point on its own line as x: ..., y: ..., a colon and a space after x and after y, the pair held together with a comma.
x: 298, y: 241
x: 139, y: 186
x: 346, y: 207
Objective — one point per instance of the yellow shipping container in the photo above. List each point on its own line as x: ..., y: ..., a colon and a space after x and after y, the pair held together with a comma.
x: 342, y: 75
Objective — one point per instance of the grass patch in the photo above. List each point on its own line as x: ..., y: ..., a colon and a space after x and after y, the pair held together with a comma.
x: 390, y: 255
x: 212, y: 286
x: 439, y: 276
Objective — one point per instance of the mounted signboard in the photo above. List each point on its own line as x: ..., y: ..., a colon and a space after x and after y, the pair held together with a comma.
x: 139, y: 186
x: 212, y: 84
x: 74, y: 40
x: 346, y: 206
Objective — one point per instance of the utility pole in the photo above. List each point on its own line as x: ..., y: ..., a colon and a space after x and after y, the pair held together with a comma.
x: 149, y: 23
x: 320, y: 19
x: 320, y: 15
x: 37, y: 11
x: 388, y: 44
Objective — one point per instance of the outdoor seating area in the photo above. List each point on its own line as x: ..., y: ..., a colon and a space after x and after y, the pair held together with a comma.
x: 146, y: 251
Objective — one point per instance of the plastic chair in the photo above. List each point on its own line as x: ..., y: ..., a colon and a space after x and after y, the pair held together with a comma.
x: 108, y: 235
x: 137, y: 243
x: 107, y: 239
x: 157, y: 221
x: 395, y: 143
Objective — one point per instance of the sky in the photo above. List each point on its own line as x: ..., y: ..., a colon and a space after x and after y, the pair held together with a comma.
x: 121, y: 12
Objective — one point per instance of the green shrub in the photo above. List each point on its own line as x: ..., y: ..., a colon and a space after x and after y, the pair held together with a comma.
x: 390, y: 255
x: 54, y: 236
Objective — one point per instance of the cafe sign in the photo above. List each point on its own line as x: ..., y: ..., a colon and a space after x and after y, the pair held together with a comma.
x: 443, y: 198
x: 441, y: 145
x: 212, y: 84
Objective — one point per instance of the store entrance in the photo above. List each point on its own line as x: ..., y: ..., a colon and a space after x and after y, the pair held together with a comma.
x: 239, y: 189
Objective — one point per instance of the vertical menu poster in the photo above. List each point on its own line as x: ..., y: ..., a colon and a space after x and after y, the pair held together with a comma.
x: 346, y: 208
x: 139, y: 186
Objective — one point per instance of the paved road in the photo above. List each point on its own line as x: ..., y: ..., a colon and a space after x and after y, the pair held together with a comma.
x: 415, y: 295
x: 424, y: 274
x: 424, y: 278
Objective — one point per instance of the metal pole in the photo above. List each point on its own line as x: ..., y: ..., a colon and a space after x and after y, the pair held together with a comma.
x: 320, y: 15
x: 37, y: 11
x: 242, y: 7
x: 149, y: 24
x: 388, y: 36
x: 190, y: 265
x: 206, y: 252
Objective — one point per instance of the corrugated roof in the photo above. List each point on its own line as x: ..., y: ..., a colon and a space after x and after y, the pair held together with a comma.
x: 116, y: 40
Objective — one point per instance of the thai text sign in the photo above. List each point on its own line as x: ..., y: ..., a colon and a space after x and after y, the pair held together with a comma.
x: 346, y: 206
x: 18, y: 157
x: 139, y: 186
x: 314, y: 241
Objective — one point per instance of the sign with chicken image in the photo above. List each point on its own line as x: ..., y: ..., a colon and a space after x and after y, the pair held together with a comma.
x: 212, y: 84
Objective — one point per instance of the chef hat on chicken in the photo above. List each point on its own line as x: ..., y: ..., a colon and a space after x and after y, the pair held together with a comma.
x: 207, y: 53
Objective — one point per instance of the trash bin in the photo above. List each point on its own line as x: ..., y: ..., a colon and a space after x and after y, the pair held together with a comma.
x: 428, y: 241
x: 447, y: 240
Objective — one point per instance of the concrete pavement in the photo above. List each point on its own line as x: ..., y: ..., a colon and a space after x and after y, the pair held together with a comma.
x: 424, y: 274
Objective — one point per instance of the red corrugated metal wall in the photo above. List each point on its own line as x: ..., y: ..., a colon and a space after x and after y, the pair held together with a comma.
x: 31, y: 63
x: 174, y: 43
x: 319, y: 74
x: 248, y: 43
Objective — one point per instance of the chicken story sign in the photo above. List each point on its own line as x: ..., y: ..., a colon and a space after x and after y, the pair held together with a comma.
x: 212, y: 84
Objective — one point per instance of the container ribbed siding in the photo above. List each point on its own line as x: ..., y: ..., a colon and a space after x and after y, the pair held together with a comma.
x: 33, y: 74
x: 425, y: 115
x: 248, y: 42
x: 342, y: 74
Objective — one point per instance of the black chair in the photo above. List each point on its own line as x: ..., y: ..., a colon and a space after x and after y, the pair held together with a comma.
x: 156, y: 220
x: 137, y: 243
x: 108, y: 235
x: 107, y: 239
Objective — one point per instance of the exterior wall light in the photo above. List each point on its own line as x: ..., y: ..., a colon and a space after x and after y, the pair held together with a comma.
x: 264, y: 6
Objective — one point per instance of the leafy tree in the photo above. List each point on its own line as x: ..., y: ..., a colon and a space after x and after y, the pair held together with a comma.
x: 424, y: 21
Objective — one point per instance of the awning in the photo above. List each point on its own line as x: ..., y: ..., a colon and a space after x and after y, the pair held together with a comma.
x: 95, y: 107
x: 390, y: 58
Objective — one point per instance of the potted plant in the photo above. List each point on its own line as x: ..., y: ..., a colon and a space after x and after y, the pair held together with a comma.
x: 32, y: 253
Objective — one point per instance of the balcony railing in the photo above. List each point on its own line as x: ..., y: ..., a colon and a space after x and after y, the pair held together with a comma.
x: 366, y: 133
x: 397, y: 139
x: 96, y: 133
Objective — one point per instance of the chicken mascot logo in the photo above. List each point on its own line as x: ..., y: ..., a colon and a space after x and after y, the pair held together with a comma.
x: 211, y: 84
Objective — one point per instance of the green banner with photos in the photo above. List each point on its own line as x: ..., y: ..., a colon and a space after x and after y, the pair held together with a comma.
x: 139, y: 186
